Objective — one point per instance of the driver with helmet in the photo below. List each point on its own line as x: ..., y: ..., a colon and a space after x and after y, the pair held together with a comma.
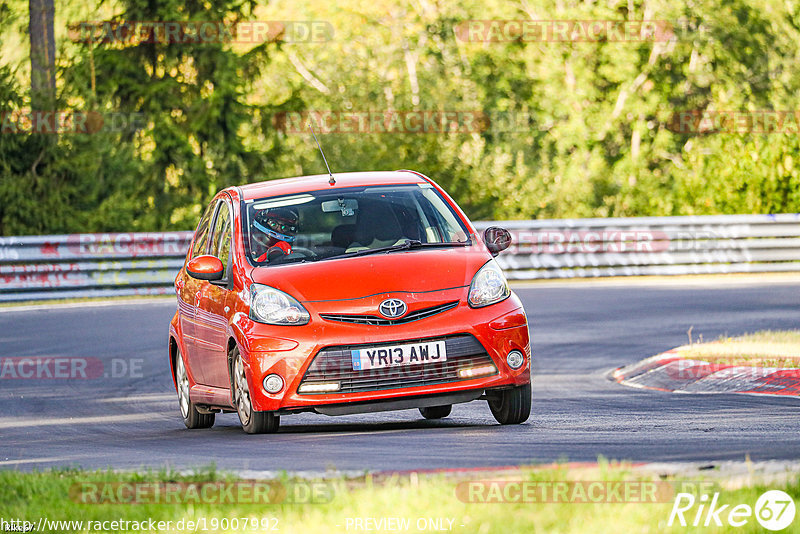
x: 274, y: 231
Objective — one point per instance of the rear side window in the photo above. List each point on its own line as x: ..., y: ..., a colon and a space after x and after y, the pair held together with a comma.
x: 201, y: 234
x: 221, y: 237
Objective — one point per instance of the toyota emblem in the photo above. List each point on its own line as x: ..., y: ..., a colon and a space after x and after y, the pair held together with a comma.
x: 393, y: 308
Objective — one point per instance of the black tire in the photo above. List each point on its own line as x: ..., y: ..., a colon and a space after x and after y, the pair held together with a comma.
x: 191, y: 417
x: 436, y: 412
x: 512, y: 406
x: 253, y: 422
x: 262, y: 423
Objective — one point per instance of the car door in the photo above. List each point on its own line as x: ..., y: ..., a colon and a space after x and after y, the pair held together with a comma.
x: 189, y: 292
x: 214, y: 311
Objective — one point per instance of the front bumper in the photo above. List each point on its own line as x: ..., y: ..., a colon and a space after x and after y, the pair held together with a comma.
x: 291, y: 352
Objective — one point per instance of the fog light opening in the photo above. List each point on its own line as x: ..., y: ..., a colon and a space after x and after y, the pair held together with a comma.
x: 515, y: 359
x: 477, y: 371
x: 320, y: 387
x: 273, y: 383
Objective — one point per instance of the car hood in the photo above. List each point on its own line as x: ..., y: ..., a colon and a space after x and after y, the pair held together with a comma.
x: 410, y: 271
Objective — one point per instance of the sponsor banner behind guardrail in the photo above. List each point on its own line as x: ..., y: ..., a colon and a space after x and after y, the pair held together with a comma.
x: 89, y: 265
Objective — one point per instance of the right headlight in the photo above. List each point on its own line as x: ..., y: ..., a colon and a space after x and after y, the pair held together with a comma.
x: 271, y: 306
x: 488, y: 286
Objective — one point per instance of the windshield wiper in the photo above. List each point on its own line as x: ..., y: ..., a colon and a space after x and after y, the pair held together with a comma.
x: 408, y: 244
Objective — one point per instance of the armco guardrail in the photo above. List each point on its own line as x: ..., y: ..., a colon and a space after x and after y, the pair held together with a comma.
x: 573, y: 248
x: 90, y: 265
x: 87, y: 265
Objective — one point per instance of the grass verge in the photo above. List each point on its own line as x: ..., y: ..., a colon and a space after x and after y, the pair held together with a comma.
x: 766, y: 348
x: 409, y: 502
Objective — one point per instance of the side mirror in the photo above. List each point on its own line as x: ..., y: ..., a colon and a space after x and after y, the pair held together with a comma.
x: 205, y: 268
x: 497, y: 239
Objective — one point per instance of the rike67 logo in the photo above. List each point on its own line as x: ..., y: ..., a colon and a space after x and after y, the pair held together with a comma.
x: 774, y: 510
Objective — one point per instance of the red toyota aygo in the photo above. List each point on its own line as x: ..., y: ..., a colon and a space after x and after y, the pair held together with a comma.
x: 344, y: 294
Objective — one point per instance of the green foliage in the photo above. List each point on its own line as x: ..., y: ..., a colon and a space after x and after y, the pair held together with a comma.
x: 575, y: 129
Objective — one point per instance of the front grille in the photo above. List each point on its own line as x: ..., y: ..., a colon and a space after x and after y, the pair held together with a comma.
x: 334, y: 364
x: 382, y: 321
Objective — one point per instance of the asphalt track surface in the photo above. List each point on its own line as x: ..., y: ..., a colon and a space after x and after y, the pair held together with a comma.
x: 579, y: 333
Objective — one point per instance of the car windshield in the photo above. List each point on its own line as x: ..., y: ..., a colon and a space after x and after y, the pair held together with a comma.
x: 347, y: 222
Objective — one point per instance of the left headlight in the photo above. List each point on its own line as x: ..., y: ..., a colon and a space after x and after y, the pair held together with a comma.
x: 488, y: 286
x: 270, y: 306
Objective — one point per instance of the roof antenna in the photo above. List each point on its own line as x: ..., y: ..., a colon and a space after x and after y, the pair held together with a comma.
x: 332, y: 181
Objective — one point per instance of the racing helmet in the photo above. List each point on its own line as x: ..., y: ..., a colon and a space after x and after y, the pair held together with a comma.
x: 277, y: 223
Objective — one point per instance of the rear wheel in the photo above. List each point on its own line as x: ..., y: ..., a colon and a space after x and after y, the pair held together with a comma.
x: 253, y: 422
x: 436, y: 412
x: 191, y: 417
x: 512, y: 406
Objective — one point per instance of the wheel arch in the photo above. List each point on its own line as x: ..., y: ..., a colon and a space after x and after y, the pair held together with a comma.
x: 173, y: 352
x: 232, y: 344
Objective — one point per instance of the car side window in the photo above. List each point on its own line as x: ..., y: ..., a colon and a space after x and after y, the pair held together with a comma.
x: 221, y: 237
x: 201, y: 234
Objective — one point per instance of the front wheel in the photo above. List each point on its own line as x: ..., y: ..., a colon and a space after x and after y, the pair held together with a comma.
x: 253, y: 422
x: 191, y: 417
x: 512, y: 406
x: 436, y: 412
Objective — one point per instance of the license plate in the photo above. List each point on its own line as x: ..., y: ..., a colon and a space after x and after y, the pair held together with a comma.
x: 399, y: 355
